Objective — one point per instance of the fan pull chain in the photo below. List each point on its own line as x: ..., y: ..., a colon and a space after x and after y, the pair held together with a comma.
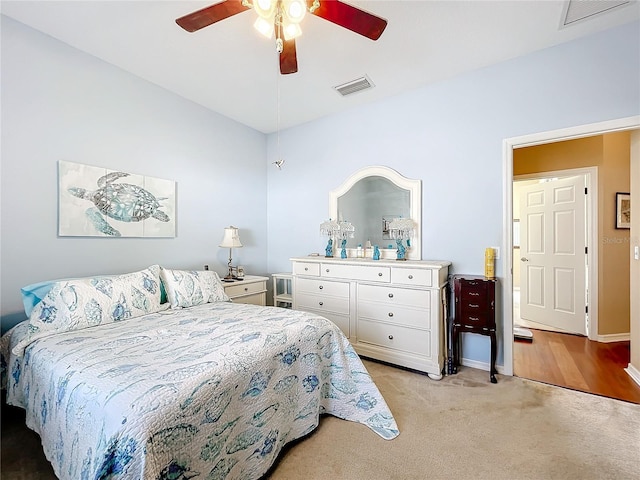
x: 278, y: 24
x: 279, y: 161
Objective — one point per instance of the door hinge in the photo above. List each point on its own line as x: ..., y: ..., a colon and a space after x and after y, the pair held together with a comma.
x: 586, y: 250
x: 586, y: 190
x: 586, y: 309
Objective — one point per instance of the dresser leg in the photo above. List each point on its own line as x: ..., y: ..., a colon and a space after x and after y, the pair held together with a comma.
x: 492, y: 373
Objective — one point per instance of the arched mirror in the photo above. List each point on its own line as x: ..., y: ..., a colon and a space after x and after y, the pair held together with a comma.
x: 370, y: 199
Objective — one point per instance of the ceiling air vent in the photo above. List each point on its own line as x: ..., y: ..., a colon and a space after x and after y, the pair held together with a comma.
x: 577, y: 10
x: 354, y: 86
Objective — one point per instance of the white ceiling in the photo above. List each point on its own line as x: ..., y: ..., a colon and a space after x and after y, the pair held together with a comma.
x: 229, y: 68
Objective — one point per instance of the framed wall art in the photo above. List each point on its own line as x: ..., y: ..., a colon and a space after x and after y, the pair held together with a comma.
x: 98, y: 202
x: 623, y: 210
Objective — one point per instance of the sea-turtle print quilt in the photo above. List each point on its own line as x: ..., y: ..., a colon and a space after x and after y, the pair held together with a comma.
x: 208, y: 392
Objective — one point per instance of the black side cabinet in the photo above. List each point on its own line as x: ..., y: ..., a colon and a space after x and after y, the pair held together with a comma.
x: 474, y: 312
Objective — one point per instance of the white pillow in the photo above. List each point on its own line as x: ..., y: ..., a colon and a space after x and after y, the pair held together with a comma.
x: 85, y: 302
x: 190, y: 288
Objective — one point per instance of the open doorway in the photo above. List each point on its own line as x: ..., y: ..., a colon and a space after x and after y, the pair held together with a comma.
x: 546, y: 138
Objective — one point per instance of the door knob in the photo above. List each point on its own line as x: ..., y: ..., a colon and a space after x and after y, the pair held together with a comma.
x: 524, y: 259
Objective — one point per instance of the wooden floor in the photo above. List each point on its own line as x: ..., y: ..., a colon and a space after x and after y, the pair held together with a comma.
x: 576, y: 362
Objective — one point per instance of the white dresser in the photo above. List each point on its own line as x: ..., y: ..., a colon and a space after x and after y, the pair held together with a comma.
x: 390, y: 310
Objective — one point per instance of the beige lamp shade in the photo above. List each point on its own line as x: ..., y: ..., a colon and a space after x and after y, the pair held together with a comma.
x: 231, y: 238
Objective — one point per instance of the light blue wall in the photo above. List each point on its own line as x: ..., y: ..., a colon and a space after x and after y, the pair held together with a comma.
x: 450, y: 136
x: 61, y: 104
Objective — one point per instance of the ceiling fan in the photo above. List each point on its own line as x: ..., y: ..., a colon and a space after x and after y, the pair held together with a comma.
x: 283, y: 17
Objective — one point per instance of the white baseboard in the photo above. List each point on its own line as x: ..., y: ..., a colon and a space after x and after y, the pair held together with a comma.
x: 633, y: 373
x: 480, y: 365
x: 614, y: 337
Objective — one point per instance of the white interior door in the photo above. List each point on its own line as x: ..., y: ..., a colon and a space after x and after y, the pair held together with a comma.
x: 553, y: 254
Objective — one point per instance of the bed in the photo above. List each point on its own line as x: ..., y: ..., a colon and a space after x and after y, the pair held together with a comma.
x: 195, y: 387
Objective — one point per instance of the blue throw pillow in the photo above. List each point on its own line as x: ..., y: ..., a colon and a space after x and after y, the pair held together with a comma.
x: 34, y: 293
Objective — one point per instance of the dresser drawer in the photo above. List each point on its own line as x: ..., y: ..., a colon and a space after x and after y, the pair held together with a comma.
x: 239, y: 289
x: 356, y: 272
x: 473, y: 305
x: 323, y: 287
x: 341, y: 321
x: 255, y: 299
x: 323, y: 303
x: 412, y: 276
x: 396, y: 314
x: 306, y: 268
x: 476, y: 321
x: 395, y: 337
x: 394, y: 296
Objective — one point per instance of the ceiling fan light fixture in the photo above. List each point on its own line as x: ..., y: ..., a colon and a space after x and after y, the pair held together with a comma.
x: 265, y: 8
x: 264, y: 27
x: 291, y: 31
x: 295, y: 10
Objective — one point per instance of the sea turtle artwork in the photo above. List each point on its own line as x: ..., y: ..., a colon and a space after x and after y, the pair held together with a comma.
x: 119, y: 201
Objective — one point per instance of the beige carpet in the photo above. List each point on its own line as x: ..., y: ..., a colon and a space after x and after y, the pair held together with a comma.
x: 459, y: 428
x: 464, y: 427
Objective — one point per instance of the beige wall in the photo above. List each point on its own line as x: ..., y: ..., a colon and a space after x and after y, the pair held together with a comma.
x: 635, y: 264
x: 610, y: 153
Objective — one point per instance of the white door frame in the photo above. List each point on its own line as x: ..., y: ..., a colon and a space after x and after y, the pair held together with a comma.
x: 590, y: 175
x: 508, y: 145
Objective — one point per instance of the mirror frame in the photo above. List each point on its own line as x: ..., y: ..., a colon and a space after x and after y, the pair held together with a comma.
x: 415, y: 205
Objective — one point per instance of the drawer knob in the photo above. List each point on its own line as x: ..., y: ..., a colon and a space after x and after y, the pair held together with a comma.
x: 391, y: 314
x: 390, y: 337
x: 306, y: 269
x: 475, y: 319
x: 380, y: 274
x: 320, y: 287
x: 327, y: 270
x: 410, y: 277
x: 246, y: 289
x: 391, y: 295
x: 320, y: 303
x: 475, y: 294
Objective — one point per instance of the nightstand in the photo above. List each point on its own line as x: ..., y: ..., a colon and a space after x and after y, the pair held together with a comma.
x: 253, y: 289
x: 474, y: 298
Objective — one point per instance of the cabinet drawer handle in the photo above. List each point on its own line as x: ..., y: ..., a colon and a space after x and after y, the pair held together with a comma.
x: 327, y: 270
x: 320, y: 287
x: 473, y: 305
x: 468, y: 326
x: 380, y: 274
x: 390, y: 337
x: 410, y: 277
x: 306, y: 269
x: 391, y: 314
x: 391, y: 295
x: 475, y: 294
x: 475, y: 319
x: 320, y: 303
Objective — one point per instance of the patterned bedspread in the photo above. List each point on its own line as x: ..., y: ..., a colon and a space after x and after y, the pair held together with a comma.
x: 212, y: 392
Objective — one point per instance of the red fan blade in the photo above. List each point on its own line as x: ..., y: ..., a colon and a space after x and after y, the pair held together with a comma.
x: 208, y: 15
x: 288, y: 59
x: 351, y: 18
